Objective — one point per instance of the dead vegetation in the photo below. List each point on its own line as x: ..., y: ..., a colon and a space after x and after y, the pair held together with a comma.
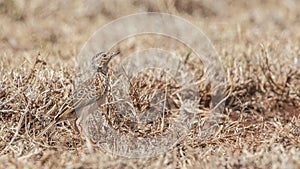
x: 260, y: 124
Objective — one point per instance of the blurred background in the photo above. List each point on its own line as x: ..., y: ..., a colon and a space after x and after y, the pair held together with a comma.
x: 58, y: 29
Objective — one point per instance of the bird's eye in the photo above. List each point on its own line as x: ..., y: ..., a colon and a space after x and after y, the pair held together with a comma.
x: 104, y: 55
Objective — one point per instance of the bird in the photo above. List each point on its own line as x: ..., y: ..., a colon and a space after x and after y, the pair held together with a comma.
x: 93, y: 90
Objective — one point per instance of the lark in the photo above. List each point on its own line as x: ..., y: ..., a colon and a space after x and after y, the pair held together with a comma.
x: 94, y: 90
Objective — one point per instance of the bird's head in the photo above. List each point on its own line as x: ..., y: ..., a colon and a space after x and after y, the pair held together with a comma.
x: 101, y: 60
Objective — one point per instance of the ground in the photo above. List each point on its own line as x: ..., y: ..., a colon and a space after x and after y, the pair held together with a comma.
x: 257, y: 41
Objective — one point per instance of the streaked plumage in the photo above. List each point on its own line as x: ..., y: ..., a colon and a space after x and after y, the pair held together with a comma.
x: 91, y: 91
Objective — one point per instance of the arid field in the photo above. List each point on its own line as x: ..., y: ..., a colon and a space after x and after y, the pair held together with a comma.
x: 258, y: 43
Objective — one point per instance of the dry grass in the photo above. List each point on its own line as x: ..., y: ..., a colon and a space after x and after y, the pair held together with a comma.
x: 257, y: 41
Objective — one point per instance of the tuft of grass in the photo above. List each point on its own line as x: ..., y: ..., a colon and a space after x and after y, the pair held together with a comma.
x: 258, y: 43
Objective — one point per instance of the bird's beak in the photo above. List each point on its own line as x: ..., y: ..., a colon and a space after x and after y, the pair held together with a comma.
x: 114, y: 53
